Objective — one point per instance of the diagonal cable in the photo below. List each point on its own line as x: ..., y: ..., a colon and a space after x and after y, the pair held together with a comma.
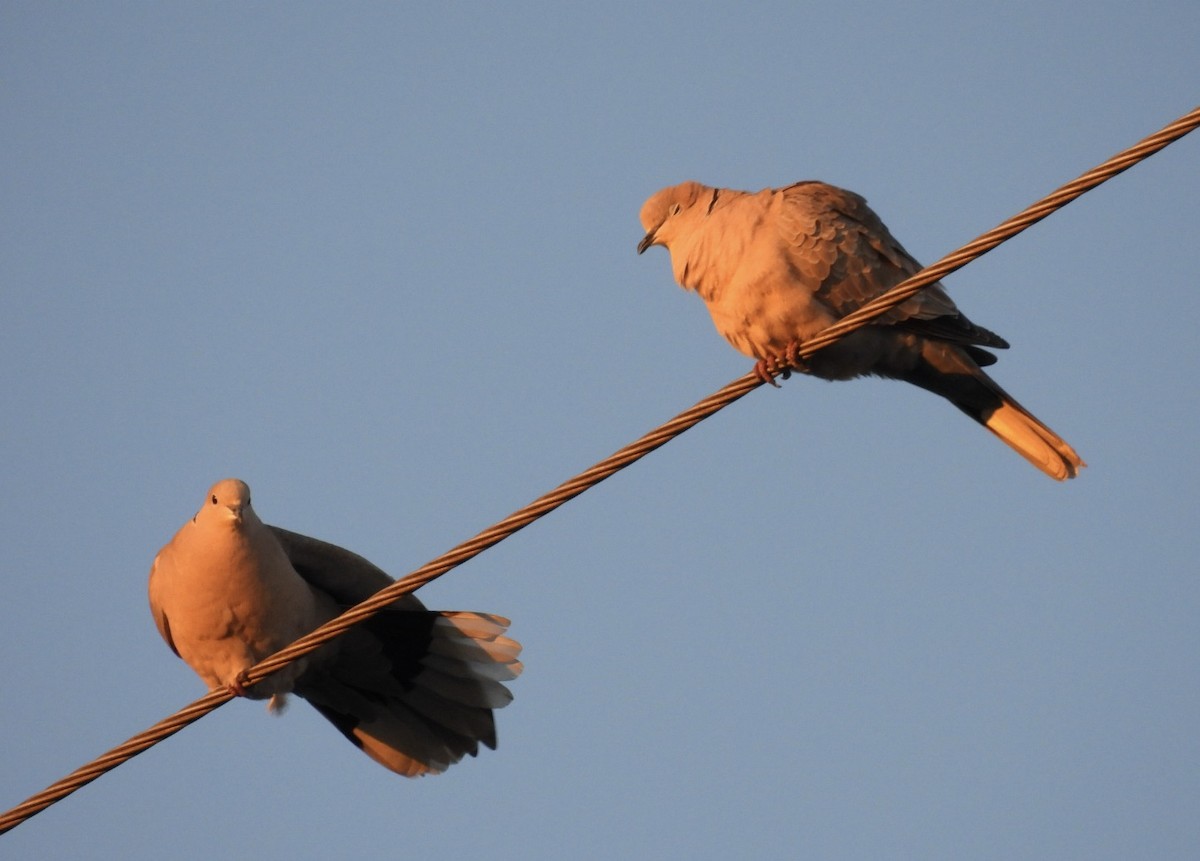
x: 620, y: 459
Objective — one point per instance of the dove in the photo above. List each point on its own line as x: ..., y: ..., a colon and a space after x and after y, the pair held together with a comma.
x: 778, y: 266
x: 414, y: 689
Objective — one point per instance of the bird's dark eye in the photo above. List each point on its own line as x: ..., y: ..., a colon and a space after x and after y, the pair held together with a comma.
x: 675, y: 209
x: 214, y: 499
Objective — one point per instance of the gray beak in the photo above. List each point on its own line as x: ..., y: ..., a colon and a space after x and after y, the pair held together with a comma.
x: 646, y: 242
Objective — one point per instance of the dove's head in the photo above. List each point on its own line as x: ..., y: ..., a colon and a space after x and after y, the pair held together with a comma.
x: 672, y: 212
x: 228, y: 501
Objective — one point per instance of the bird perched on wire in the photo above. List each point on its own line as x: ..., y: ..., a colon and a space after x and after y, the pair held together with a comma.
x: 413, y: 688
x: 778, y: 266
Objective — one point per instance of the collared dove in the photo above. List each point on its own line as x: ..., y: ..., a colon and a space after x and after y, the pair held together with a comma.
x: 413, y: 688
x: 778, y: 266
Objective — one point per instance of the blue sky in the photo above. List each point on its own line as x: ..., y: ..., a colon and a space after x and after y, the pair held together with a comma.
x: 379, y: 262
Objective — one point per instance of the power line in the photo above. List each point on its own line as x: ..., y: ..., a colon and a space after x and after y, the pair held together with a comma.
x: 620, y: 459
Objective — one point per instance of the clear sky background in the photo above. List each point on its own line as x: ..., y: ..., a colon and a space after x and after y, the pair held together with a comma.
x: 378, y: 260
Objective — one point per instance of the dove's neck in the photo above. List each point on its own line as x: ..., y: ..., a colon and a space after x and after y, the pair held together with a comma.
x: 706, y: 258
x: 699, y: 267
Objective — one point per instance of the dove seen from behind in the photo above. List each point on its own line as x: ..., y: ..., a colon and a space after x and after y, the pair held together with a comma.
x: 778, y: 266
x: 413, y: 688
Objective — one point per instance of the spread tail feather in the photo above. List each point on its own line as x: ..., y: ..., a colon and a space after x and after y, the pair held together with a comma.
x: 415, y: 689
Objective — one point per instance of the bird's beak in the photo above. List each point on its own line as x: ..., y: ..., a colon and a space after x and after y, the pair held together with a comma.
x: 236, y: 512
x: 647, y: 241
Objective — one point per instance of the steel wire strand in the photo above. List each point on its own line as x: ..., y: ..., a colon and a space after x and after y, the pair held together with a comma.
x: 1004, y: 231
x: 589, y: 478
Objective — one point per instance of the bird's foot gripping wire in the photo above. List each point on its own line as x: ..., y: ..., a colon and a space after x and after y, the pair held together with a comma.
x: 781, y: 365
x: 238, y: 686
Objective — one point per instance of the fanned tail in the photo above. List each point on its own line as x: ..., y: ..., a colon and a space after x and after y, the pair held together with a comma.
x: 415, y: 689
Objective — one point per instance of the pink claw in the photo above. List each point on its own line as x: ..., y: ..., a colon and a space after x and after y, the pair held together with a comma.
x: 793, y: 357
x: 763, y: 368
x: 238, y: 686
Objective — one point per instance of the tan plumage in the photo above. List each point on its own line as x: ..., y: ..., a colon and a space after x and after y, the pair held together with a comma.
x: 777, y: 266
x: 413, y: 688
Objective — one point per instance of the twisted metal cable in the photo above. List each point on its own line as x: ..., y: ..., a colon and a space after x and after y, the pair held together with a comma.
x: 620, y: 459
x: 1004, y: 231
